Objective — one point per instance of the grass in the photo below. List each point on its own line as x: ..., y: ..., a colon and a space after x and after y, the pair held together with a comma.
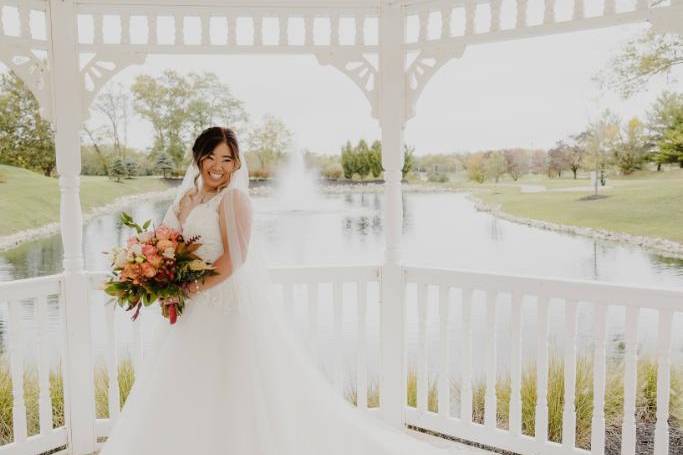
x: 646, y: 400
x: 31, y: 396
x: 646, y: 204
x: 31, y: 200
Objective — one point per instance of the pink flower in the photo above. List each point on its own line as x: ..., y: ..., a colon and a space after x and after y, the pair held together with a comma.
x: 132, y: 241
x: 148, y: 250
x: 155, y: 260
x: 163, y: 232
x: 148, y: 270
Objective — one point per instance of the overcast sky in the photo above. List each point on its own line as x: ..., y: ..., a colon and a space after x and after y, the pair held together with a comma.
x: 523, y: 93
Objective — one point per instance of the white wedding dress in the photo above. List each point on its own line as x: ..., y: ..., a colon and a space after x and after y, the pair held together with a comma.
x: 231, y: 378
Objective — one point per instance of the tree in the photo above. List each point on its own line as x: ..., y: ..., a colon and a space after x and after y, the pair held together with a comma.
x: 660, y: 119
x: 164, y: 163
x: 26, y: 139
x: 558, y: 158
x: 495, y: 165
x: 539, y: 162
x: 113, y: 104
x: 671, y: 145
x: 363, y: 156
x: 131, y: 167
x: 516, y: 163
x: 408, y: 160
x: 269, y: 141
x: 375, y: 156
x: 348, y: 161
x: 474, y: 164
x: 179, y: 107
x: 576, y: 152
x: 117, y: 169
x: 630, y: 150
x: 644, y: 57
x: 599, y: 140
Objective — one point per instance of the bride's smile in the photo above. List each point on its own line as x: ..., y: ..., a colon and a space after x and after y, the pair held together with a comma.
x: 217, y: 167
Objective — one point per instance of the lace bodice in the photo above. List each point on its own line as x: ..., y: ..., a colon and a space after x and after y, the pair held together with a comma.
x: 202, y: 221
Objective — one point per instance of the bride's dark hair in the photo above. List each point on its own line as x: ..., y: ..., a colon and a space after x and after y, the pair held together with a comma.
x: 208, y: 140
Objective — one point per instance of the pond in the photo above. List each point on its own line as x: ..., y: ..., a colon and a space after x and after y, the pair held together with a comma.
x: 439, y: 229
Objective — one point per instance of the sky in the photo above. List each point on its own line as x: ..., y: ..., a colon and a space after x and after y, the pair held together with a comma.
x: 522, y: 93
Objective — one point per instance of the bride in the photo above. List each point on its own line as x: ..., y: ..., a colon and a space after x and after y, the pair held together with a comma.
x: 230, y: 377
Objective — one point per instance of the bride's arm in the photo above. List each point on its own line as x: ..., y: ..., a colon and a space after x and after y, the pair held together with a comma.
x: 235, y: 222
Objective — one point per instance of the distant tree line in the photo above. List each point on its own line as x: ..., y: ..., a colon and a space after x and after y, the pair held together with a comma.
x: 363, y: 160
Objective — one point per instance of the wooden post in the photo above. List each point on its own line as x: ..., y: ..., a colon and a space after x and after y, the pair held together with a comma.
x: 66, y: 95
x: 392, y: 103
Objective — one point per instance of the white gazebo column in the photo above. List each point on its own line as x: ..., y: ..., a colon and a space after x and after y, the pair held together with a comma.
x: 66, y: 101
x: 392, y: 120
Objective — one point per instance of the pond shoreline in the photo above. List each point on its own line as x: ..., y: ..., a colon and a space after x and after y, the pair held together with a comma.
x: 663, y: 247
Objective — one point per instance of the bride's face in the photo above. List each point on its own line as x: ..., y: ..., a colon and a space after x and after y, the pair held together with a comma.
x: 217, y: 167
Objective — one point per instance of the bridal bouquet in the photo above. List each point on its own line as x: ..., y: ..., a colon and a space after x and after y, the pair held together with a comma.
x: 155, y: 265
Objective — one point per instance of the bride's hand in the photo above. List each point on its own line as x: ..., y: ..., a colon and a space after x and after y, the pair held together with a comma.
x: 192, y: 287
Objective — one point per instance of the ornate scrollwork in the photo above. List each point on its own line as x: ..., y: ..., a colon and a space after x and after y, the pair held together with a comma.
x: 360, y: 67
x: 423, y: 67
x: 33, y: 70
x: 100, y: 69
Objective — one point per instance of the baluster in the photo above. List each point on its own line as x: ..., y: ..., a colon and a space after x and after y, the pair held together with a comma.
x: 424, y: 26
x: 609, y: 7
x: 16, y: 347
x: 569, y: 411
x: 470, y: 11
x: 521, y: 13
x: 45, y: 400
x: 232, y: 33
x: 466, y: 356
x: 422, y: 379
x: 541, y: 422
x: 598, y: 421
x: 663, y: 382
x: 362, y: 365
x: 258, y: 30
x: 549, y: 12
x: 495, y: 15
x: 312, y: 313
x: 206, y: 36
x: 444, y: 371
x: 337, y: 303
x: 179, y: 27
x: 308, y: 30
x: 283, y: 23
x: 334, y: 30
x: 628, y: 429
x: 152, y: 34
x: 516, y: 365
x: 125, y: 28
x: 98, y: 32
x: 288, y: 299
x: 359, y: 26
x: 24, y: 23
x: 112, y: 361
x: 579, y: 9
x: 491, y: 399
x: 445, y: 23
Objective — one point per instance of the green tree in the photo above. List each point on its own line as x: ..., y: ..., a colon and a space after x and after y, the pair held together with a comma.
x: 348, y: 161
x: 26, y: 139
x: 642, y: 58
x: 163, y: 164
x: 660, y: 119
x: 408, y: 160
x: 495, y: 165
x: 362, y: 152
x: 474, y: 164
x: 179, y: 107
x: 630, y: 150
x: 376, y: 158
x: 671, y: 145
x: 117, y: 169
x: 269, y: 141
x: 132, y: 167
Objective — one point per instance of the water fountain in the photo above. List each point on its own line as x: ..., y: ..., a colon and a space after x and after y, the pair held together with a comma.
x: 297, y: 187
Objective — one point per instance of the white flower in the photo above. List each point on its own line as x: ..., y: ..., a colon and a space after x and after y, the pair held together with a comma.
x: 136, y: 249
x: 198, y: 264
x: 121, y: 259
x: 169, y: 252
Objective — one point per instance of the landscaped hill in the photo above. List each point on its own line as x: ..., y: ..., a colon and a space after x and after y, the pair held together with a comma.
x: 30, y: 200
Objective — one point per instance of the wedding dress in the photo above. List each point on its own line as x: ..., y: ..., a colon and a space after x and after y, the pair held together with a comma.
x: 230, y: 377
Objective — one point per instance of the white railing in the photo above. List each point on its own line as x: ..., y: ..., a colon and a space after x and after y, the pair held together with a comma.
x: 492, y: 290
x: 477, y: 303
x: 19, y: 299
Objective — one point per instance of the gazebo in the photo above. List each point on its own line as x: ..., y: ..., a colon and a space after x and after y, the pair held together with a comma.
x: 390, y: 49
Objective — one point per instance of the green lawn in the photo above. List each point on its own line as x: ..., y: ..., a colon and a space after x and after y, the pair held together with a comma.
x: 29, y: 200
x: 647, y: 204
